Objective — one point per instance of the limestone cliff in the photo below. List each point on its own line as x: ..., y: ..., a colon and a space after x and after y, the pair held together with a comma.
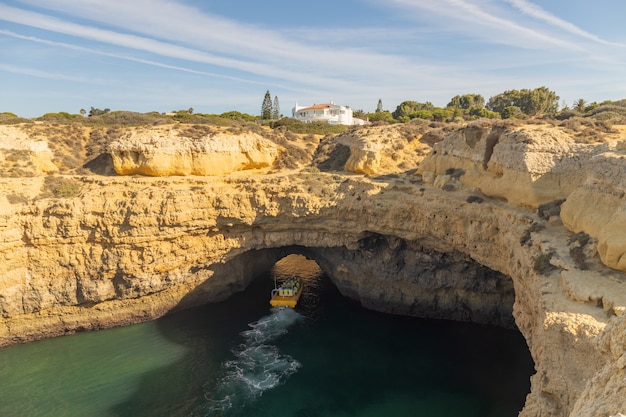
x: 163, y: 152
x: 598, y: 206
x: 127, y: 249
x: 526, y: 165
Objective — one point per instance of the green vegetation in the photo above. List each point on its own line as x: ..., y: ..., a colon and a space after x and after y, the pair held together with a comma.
x: 60, y: 187
x: 269, y: 110
x: 530, y: 102
x: 586, y: 121
x: 8, y: 118
x: 316, y: 128
x: 266, y: 107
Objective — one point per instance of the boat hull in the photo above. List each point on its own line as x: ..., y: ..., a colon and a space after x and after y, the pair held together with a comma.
x: 290, y: 301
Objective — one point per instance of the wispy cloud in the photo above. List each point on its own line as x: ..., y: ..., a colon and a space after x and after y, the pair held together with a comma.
x: 482, y: 21
x: 43, y: 74
x: 122, y: 56
x: 417, y: 49
x: 126, y: 40
x: 539, y: 13
x: 231, y: 44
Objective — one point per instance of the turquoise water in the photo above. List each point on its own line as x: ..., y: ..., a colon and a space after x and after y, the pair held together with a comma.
x: 329, y: 357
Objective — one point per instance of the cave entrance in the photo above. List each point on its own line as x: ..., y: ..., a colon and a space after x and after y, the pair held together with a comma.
x: 446, y: 348
x: 369, y: 362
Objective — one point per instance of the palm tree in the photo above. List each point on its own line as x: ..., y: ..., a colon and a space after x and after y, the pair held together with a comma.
x: 580, y: 105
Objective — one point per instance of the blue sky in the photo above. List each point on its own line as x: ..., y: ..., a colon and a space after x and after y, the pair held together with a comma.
x: 217, y: 56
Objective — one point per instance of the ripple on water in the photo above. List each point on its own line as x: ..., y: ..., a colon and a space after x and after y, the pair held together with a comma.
x: 258, y: 365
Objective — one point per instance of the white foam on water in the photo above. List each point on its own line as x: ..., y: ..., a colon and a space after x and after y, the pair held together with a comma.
x: 258, y: 365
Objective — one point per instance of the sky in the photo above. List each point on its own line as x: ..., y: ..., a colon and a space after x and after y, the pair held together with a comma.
x: 216, y: 56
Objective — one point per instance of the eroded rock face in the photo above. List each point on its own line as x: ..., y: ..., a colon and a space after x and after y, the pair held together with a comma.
x: 364, y: 155
x: 128, y: 249
x: 158, y: 152
x: 527, y: 165
x: 598, y: 206
x: 132, y: 249
x: 415, y: 280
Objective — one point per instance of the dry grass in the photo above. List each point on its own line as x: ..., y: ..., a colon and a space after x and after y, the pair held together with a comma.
x: 60, y: 187
x: 66, y: 141
x: 17, y: 163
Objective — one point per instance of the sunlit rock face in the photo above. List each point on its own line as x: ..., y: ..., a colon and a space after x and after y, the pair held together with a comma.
x: 469, y: 246
x: 159, y: 153
x: 527, y: 165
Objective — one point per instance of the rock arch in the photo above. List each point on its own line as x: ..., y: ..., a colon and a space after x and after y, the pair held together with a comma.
x: 384, y: 273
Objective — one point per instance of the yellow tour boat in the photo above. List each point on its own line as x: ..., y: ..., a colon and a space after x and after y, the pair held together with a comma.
x: 287, y: 294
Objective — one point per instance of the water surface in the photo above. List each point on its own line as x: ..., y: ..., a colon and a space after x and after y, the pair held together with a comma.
x: 329, y: 357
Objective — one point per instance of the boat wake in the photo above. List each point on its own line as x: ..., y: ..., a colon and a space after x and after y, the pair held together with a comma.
x: 258, y: 365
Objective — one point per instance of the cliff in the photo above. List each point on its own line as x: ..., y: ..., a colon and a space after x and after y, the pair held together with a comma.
x: 164, y: 152
x: 466, y: 237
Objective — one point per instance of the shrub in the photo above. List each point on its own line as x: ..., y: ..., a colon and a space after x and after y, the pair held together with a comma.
x: 581, y: 238
x: 60, y: 117
x: 422, y: 114
x: 296, y: 126
x: 487, y: 114
x: 455, y: 173
x: 8, y: 118
x: 567, y: 114
x: 542, y: 265
x: 578, y: 256
x: 513, y: 112
x: 526, y: 236
x: 577, y: 243
x: 61, y: 187
x: 235, y: 115
x: 475, y: 199
x: 128, y: 118
x: 549, y: 209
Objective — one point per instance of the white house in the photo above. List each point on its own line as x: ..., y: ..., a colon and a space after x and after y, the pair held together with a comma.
x: 329, y: 113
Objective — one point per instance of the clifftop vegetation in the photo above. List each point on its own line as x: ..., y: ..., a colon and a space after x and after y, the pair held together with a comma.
x: 531, y: 105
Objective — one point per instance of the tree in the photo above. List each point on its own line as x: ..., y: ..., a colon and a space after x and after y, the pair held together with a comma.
x: 83, y: 112
x: 467, y: 102
x: 359, y: 114
x: 98, y: 112
x: 408, y: 108
x: 530, y: 102
x: 190, y: 111
x: 379, y: 106
x: 580, y: 105
x: 276, y: 109
x: 380, y: 116
x: 266, y: 107
x: 500, y: 101
x: 540, y: 100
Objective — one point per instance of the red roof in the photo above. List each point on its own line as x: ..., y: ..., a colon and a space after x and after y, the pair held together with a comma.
x: 317, y: 106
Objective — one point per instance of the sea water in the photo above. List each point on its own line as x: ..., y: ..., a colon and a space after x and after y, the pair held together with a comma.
x: 240, y: 357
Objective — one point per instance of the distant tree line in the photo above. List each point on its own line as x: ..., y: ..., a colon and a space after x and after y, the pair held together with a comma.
x: 539, y: 102
x: 509, y: 104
